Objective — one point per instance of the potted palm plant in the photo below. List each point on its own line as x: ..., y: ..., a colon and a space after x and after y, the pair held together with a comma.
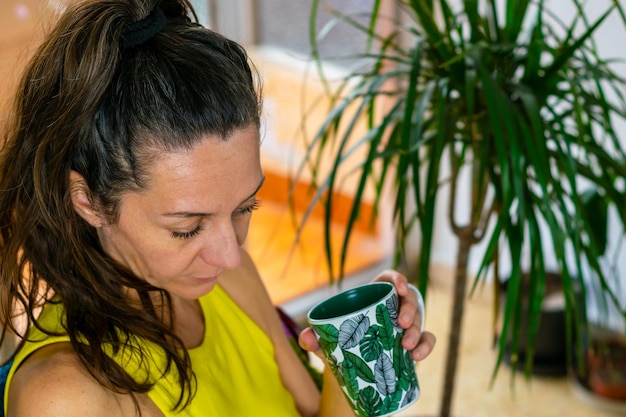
x: 518, y: 104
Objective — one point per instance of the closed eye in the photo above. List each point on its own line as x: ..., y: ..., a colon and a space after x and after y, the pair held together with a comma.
x: 249, y: 209
x: 189, y: 234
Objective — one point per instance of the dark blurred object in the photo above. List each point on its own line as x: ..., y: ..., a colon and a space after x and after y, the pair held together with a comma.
x: 606, y: 361
x: 550, y: 345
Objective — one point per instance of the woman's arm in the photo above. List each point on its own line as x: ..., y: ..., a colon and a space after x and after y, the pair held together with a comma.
x: 245, y: 287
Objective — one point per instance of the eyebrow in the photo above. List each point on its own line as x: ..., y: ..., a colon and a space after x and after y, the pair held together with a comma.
x: 186, y: 214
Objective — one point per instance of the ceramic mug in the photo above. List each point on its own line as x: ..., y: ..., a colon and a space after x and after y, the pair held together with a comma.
x: 359, y: 334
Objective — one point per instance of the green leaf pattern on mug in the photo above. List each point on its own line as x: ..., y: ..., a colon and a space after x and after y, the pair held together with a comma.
x: 385, y: 375
x: 391, y: 402
x: 352, y: 331
x: 335, y: 368
x: 386, y: 326
x: 411, y: 394
x: 371, y: 346
x: 393, y: 307
x: 394, y: 379
x: 328, y: 337
x: 350, y: 377
x: 398, y: 353
x: 369, y: 402
x: 408, y: 372
x: 363, y: 371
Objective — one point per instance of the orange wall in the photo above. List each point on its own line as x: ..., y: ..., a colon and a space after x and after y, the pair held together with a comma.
x: 21, y: 28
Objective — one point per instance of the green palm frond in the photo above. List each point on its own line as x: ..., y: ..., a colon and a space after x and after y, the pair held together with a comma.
x: 510, y: 93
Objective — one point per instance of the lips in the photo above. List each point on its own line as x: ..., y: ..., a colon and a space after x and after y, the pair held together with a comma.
x: 203, y: 280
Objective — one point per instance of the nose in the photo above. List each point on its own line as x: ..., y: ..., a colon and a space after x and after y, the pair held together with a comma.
x: 221, y: 247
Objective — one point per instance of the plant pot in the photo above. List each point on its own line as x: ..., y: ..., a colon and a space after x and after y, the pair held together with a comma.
x: 550, y: 356
x: 606, y: 363
x: 601, y: 382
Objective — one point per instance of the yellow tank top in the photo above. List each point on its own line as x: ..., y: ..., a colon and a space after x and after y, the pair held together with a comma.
x: 235, y: 368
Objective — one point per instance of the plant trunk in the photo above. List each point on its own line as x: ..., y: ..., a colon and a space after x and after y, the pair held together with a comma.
x: 458, y: 306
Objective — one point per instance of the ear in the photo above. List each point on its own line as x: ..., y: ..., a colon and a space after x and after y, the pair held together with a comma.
x: 83, y: 205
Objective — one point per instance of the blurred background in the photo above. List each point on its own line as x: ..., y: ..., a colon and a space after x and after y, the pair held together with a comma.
x: 291, y: 261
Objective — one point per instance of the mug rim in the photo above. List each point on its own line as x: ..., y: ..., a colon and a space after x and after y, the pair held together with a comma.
x: 325, y: 320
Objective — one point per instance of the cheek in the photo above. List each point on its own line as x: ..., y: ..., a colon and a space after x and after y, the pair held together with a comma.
x: 160, y: 267
x: 169, y: 258
x: 147, y: 256
x: 241, y: 229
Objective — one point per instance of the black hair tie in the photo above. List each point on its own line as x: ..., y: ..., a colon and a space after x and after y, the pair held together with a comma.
x: 142, y: 30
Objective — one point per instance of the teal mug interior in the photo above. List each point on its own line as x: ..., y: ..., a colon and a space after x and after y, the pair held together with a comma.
x: 350, y: 301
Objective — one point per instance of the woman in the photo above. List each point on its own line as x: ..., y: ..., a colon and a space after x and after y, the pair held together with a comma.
x: 129, y: 176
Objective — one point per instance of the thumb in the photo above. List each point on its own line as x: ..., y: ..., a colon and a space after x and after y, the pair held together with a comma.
x: 308, y: 341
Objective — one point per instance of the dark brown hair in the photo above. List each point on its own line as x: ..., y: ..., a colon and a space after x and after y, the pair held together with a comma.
x: 87, y: 104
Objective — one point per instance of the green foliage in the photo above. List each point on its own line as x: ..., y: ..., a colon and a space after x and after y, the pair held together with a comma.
x: 505, y: 93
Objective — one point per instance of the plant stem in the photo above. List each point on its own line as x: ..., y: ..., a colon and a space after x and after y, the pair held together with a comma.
x: 458, y: 305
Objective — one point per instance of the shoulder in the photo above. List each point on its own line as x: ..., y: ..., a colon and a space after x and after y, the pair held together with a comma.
x: 245, y: 287
x: 249, y: 275
x: 61, y: 385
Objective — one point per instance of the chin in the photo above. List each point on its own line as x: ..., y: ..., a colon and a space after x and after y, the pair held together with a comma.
x: 194, y: 291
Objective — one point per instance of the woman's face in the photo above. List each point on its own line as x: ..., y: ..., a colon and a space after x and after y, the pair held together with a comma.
x: 187, y: 226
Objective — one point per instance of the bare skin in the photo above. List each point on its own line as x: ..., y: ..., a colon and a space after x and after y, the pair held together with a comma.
x: 67, y: 389
x: 184, y: 234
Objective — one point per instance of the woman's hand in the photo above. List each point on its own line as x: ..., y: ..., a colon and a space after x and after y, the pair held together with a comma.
x: 416, y: 340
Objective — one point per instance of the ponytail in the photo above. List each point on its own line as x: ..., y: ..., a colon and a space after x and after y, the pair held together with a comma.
x: 113, y: 80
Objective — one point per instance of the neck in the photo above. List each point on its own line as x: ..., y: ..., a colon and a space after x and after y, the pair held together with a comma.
x: 188, y: 321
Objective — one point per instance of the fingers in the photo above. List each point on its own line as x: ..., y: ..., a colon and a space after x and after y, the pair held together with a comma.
x: 419, y: 342
x: 426, y: 344
x: 397, y: 279
x: 409, y: 315
x: 308, y: 341
x: 408, y: 299
x: 419, y: 350
x: 412, y: 335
